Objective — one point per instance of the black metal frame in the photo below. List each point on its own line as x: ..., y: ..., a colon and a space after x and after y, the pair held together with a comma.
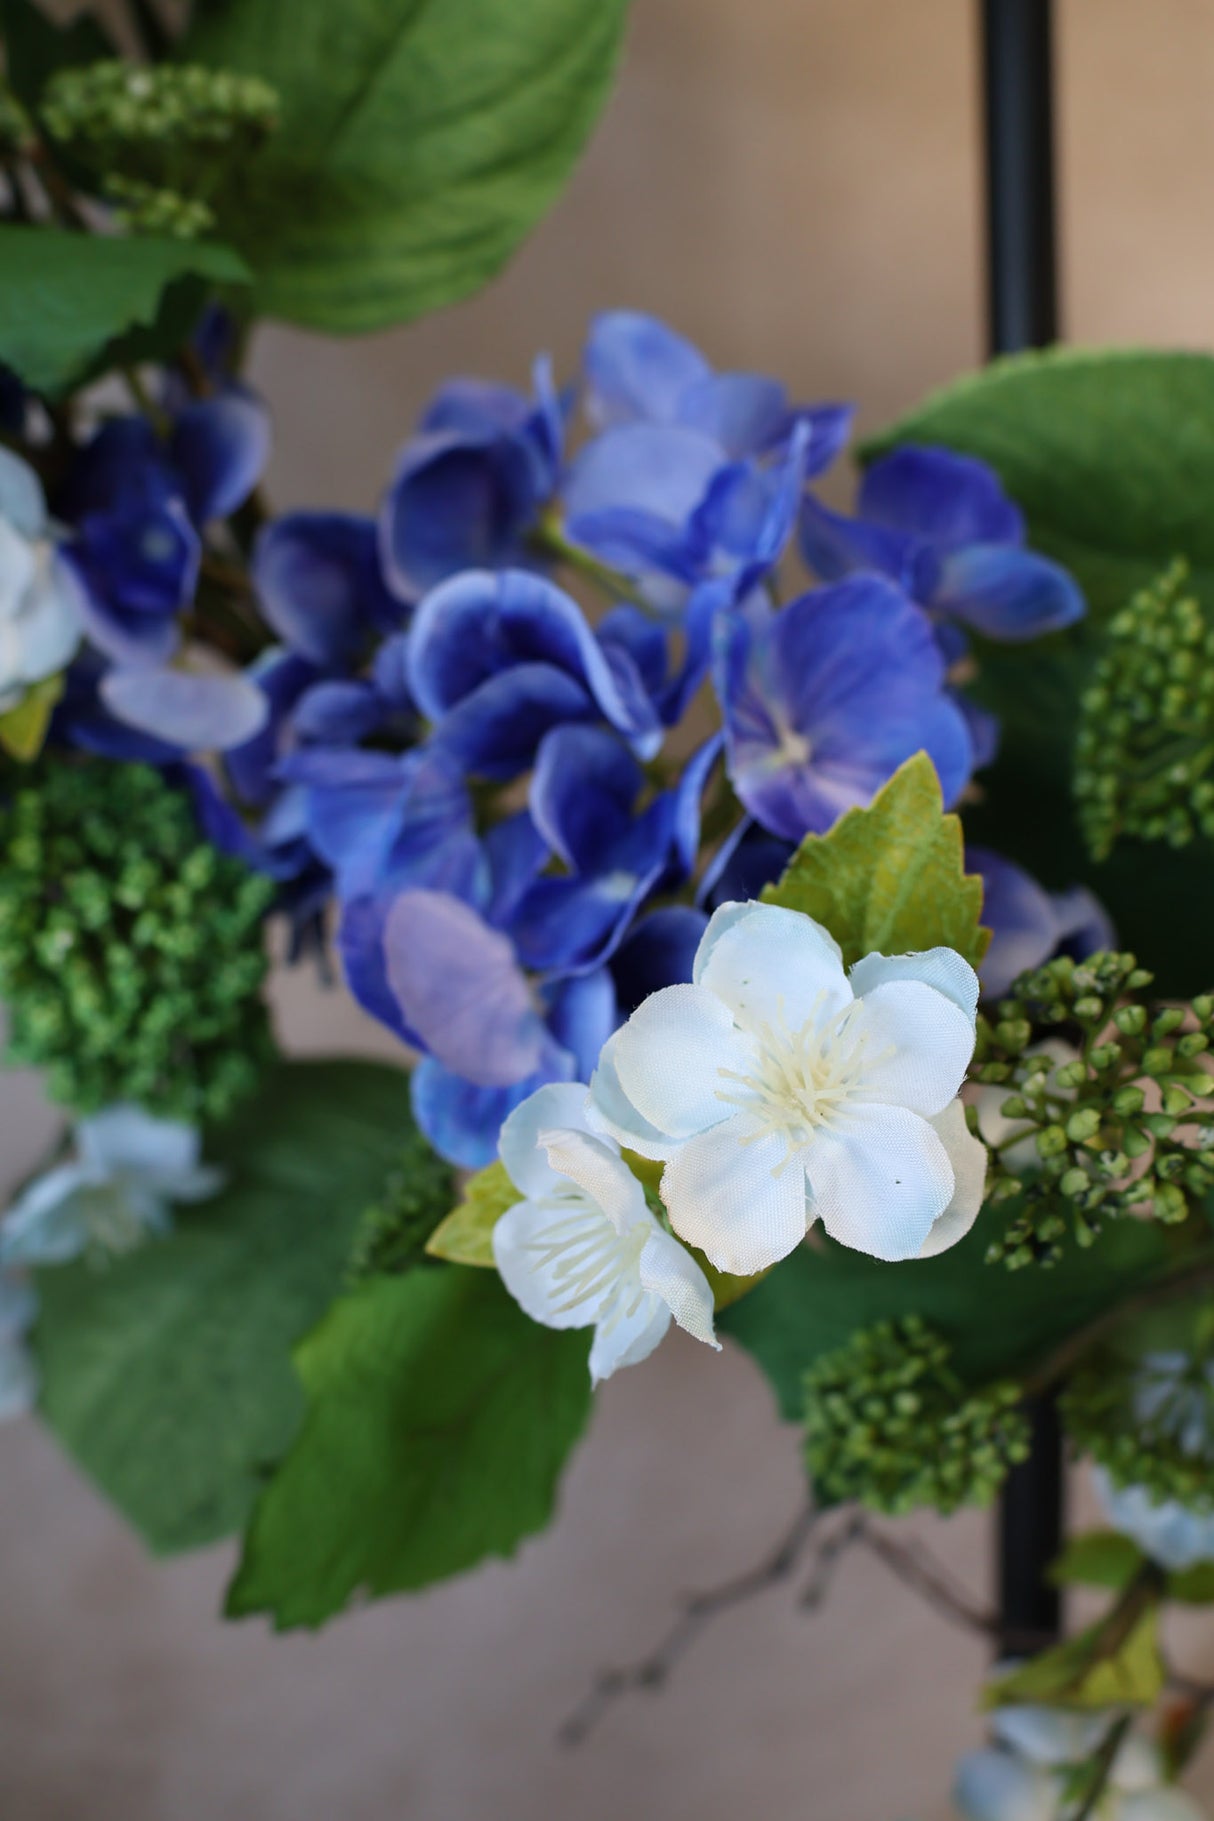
x: 1022, y: 312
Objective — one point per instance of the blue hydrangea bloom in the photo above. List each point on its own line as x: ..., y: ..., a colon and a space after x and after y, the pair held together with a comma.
x: 470, y: 486
x: 942, y: 527
x: 1028, y: 924
x: 824, y: 699
x: 497, y: 660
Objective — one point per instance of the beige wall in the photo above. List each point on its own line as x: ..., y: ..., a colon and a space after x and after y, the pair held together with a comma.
x: 793, y: 183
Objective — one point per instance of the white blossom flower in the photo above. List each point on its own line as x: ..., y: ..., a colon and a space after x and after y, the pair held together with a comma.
x: 128, y: 1167
x: 1001, y: 1783
x: 582, y: 1248
x: 18, y: 1377
x: 782, y: 1090
x: 1169, y: 1532
x: 40, y: 599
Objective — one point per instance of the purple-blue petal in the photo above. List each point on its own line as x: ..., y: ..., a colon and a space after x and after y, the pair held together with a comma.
x: 637, y: 368
x: 583, y: 788
x: 338, y: 713
x: 282, y: 677
x: 461, y: 1119
x: 458, y: 500
x: 658, y: 951
x: 318, y: 581
x: 220, y: 446
x: 495, y: 731
x: 1007, y: 593
x: 744, y: 413
x: 193, y: 713
x: 948, y: 499
x: 834, y: 546
x: 582, y: 1013
x: 830, y: 426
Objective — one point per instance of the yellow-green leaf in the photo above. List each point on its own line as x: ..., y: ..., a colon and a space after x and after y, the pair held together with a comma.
x: 1083, y: 1673
x: 23, y: 728
x: 890, y: 878
x: 465, y: 1237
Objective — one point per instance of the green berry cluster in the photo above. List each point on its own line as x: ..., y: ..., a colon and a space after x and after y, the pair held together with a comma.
x: 1149, y: 1422
x: 1125, y: 1122
x: 159, y: 140
x: 889, y: 1423
x: 16, y: 132
x: 1145, y: 753
x: 392, y: 1234
x: 131, y: 957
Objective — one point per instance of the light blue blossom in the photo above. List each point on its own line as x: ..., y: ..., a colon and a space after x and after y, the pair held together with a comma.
x: 117, y: 1190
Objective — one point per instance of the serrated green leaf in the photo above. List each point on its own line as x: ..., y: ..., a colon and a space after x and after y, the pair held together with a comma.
x: 890, y: 878
x: 23, y: 728
x: 465, y: 1237
x: 64, y: 298
x: 167, y: 1376
x: 1111, y: 455
x: 1098, y: 1558
x: 419, y: 142
x: 1080, y: 1674
x: 439, y: 1420
x: 998, y: 1322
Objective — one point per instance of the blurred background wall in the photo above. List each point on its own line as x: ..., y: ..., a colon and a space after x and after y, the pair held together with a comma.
x: 794, y: 184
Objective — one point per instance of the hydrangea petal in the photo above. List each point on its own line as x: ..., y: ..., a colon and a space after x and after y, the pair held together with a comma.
x: 193, y: 713
x: 1007, y: 593
x: 936, y: 494
x: 636, y: 367
x: 220, y: 446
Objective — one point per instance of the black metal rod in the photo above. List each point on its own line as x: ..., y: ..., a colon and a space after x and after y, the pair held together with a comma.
x: 1022, y: 290
x: 1022, y: 306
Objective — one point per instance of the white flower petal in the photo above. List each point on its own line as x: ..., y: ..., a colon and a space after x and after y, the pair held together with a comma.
x: 52, y: 621
x: 519, y: 1241
x: 44, y: 1226
x: 918, y: 1046
x: 1168, y: 1804
x: 126, y: 1138
x: 22, y: 501
x: 994, y: 1786
x: 669, y: 1271
x: 18, y: 569
x: 967, y: 1155
x: 734, y: 1200
x: 18, y: 1305
x: 878, y: 1179
x: 560, y: 1103
x: 1049, y: 1736
x: 770, y: 965
x: 669, y: 1055
x: 597, y: 1168
x: 1168, y: 1532
x: 942, y: 968
x: 628, y: 1341
x: 610, y: 1109
x: 1137, y: 1766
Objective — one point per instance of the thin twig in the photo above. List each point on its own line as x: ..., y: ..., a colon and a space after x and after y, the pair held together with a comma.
x: 919, y: 1570
x: 1102, y: 1768
x: 698, y: 1611
x: 827, y: 1560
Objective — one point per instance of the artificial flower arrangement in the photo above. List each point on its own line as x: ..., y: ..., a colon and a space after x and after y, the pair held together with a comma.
x: 793, y: 922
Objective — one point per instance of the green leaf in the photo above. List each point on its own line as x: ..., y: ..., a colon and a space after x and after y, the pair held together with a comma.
x: 1098, y: 1558
x: 890, y: 878
x: 23, y: 728
x: 167, y: 1375
x: 1111, y: 455
x: 65, y: 298
x: 998, y: 1322
x: 34, y: 47
x: 419, y: 142
x: 1082, y: 1673
x: 1193, y: 1586
x: 439, y: 1420
x: 465, y: 1237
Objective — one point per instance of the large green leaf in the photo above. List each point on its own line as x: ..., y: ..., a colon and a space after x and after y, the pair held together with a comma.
x: 168, y: 1374
x: 889, y: 878
x: 419, y: 141
x: 1111, y: 455
x: 439, y: 1420
x: 998, y: 1321
x: 67, y: 300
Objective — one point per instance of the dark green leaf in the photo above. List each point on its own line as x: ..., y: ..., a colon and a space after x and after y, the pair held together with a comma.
x: 168, y: 1374
x: 1111, y: 455
x: 66, y: 298
x: 439, y: 1419
x: 999, y: 1322
x: 1098, y: 1558
x: 889, y: 878
x: 1193, y: 1586
x: 420, y: 140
